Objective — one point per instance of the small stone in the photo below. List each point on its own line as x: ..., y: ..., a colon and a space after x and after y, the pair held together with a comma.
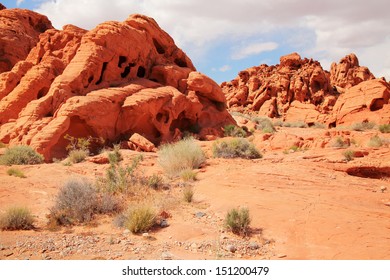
x: 145, y: 235
x: 200, y: 214
x: 253, y: 246
x: 194, y: 246
x: 164, y: 223
x: 383, y: 189
x: 166, y: 256
x: 231, y: 248
x: 282, y: 256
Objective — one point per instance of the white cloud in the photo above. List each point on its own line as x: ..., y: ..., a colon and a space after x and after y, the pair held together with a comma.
x: 225, y: 68
x: 253, y: 49
x: 19, y: 2
x: 334, y: 28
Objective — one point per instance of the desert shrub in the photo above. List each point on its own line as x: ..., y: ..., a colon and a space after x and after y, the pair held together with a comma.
x: 16, y: 218
x: 362, y: 126
x: 278, y: 122
x: 339, y: 142
x: 76, y: 202
x: 76, y: 156
x: 349, y: 155
x: 20, y: 155
x: 264, y: 124
x: 233, y: 148
x: 299, y: 124
x: 140, y: 219
x: 2, y: 145
x: 119, y: 179
x: 319, y: 125
x: 109, y: 204
x: 384, y: 128
x: 155, y: 181
x: 188, y: 175
x: 16, y: 172
x: 179, y: 156
x: 115, y: 156
x: 238, y: 220
x: 188, y: 194
x: 234, y: 131
x: 375, y: 142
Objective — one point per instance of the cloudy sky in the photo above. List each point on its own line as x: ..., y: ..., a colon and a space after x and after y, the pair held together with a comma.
x: 223, y: 37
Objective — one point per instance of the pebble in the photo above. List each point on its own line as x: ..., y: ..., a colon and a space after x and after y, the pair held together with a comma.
x: 166, y: 256
x: 200, y: 214
x: 231, y: 248
x: 253, y: 246
x: 164, y: 223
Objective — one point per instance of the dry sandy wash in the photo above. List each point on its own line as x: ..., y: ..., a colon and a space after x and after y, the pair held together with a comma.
x: 305, y: 204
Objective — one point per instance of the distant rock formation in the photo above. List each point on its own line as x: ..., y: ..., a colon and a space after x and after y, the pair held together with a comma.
x: 19, y: 33
x: 118, y: 79
x: 301, y: 90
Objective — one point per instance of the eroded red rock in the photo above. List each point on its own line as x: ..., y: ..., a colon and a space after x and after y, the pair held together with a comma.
x: 118, y: 79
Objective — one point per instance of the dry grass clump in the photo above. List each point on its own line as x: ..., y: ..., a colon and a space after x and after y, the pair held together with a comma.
x: 188, y: 175
x: 375, y: 142
x: 339, y: 142
x: 362, y: 126
x: 384, y: 128
x: 183, y: 155
x: 17, y: 218
x: 234, y: 131
x: 139, y: 218
x: 16, y: 172
x: 349, y: 155
x: 76, y: 156
x: 20, y: 155
x: 233, y: 148
x: 264, y: 124
x: 238, y: 220
x: 188, y: 194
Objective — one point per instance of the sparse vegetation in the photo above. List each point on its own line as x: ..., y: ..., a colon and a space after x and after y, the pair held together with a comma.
x: 319, y: 125
x: 155, y: 181
x: 76, y: 156
x: 349, y: 155
x: 20, y: 155
x: 188, y: 194
x: 384, y: 128
x: 362, y: 126
x: 375, y: 142
x: 140, y: 219
x: 299, y: 124
x: 234, y: 131
x: 115, y: 156
x: 233, y: 148
x: 2, y: 145
x: 264, y: 124
x: 78, y: 148
x: 17, y: 218
x: 339, y: 142
x: 183, y: 155
x: 16, y: 172
x: 76, y: 202
x: 238, y: 220
x: 188, y: 175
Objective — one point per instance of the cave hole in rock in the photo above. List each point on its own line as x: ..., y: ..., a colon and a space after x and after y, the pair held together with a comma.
x: 181, y: 63
x: 127, y: 70
x: 122, y: 59
x: 184, y: 124
x: 369, y: 172
x: 377, y: 104
x: 162, y: 117
x: 104, y: 67
x: 158, y: 46
x: 316, y: 86
x: 90, y: 79
x: 141, y: 72
x: 42, y: 92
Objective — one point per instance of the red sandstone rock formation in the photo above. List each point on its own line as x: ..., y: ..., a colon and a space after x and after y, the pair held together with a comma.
x: 348, y: 73
x: 19, y: 33
x: 300, y: 90
x: 118, y: 79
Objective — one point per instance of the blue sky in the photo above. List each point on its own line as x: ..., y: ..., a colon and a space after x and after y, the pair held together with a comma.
x: 223, y: 37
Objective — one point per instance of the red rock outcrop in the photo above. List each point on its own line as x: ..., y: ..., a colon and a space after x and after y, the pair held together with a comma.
x: 271, y: 89
x: 118, y: 79
x: 19, y: 33
x: 349, y: 73
x: 300, y: 90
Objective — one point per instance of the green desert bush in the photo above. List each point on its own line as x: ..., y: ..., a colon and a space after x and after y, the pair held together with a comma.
x: 349, y: 155
x: 17, y: 218
x: 140, y: 218
x: 20, y: 155
x: 188, y: 175
x: 179, y: 156
x: 76, y: 156
x: 339, y: 142
x: 264, y: 124
x: 299, y: 124
x: 234, y: 131
x: 155, y: 181
x: 375, y: 142
x: 233, y: 148
x: 238, y: 220
x: 16, y: 172
x: 384, y: 128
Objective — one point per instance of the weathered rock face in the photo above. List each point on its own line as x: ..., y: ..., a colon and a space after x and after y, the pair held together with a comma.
x: 300, y: 90
x: 271, y: 89
x: 118, y: 79
x: 348, y: 73
x: 19, y: 33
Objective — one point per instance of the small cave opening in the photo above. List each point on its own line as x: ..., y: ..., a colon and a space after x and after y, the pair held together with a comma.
x: 122, y: 59
x: 181, y: 63
x: 42, y: 92
x: 377, y: 104
x: 371, y: 172
x: 162, y: 117
x: 127, y: 70
x: 90, y: 79
x: 104, y: 67
x: 158, y: 47
x: 316, y: 86
x: 141, y: 72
